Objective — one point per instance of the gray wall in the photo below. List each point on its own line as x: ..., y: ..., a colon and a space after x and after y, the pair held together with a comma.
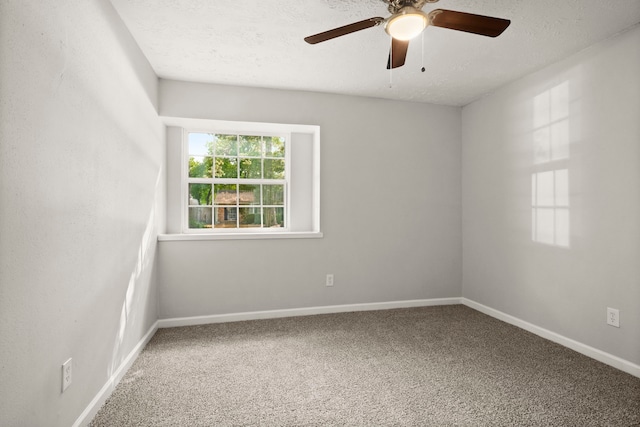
x: 82, y: 195
x: 390, y: 208
x: 563, y: 289
x: 82, y: 198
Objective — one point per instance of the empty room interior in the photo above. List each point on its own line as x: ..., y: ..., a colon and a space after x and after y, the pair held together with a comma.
x: 285, y: 213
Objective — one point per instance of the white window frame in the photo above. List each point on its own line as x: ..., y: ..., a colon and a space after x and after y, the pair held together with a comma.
x: 303, y: 193
x: 186, y: 180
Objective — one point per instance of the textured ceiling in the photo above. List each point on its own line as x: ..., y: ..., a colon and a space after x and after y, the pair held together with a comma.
x: 260, y: 43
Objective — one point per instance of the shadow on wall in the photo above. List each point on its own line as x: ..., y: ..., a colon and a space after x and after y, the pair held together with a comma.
x: 136, y: 66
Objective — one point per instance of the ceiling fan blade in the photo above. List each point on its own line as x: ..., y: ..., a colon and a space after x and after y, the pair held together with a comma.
x: 397, y: 53
x: 341, y: 31
x: 468, y: 22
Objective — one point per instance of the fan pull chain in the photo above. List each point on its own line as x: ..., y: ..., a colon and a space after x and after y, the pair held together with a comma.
x: 390, y: 62
x: 422, y: 52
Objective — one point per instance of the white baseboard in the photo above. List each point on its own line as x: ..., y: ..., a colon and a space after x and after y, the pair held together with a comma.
x: 307, y: 311
x: 594, y: 353
x: 94, y: 406
x: 97, y: 402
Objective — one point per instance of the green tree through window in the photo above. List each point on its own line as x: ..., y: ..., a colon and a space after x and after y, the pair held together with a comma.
x: 236, y: 181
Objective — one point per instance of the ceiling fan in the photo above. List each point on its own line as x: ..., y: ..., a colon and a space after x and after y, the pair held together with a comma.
x: 407, y: 21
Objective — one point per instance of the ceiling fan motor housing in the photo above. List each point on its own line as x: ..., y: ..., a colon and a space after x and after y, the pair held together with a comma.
x: 396, y: 5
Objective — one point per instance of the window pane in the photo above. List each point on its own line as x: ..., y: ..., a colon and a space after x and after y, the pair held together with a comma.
x: 226, y: 145
x: 273, y: 217
x: 250, y: 146
x: 200, y: 167
x: 273, y: 169
x: 199, y: 194
x: 225, y: 194
x: 225, y: 217
x: 250, y: 217
x: 273, y: 146
x: 199, y: 217
x: 249, y: 194
x: 200, y: 144
x: 251, y: 168
x: 226, y: 167
x: 235, y: 180
x: 273, y: 194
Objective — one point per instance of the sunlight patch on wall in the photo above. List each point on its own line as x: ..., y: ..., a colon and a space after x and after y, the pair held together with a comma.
x: 550, y: 220
x: 550, y: 207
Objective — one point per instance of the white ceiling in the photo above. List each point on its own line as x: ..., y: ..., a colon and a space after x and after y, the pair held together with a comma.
x: 260, y: 43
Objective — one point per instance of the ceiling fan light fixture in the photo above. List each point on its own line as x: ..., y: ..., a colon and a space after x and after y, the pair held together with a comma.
x: 407, y: 24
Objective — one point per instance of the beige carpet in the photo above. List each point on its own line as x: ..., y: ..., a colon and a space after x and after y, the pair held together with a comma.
x: 432, y: 366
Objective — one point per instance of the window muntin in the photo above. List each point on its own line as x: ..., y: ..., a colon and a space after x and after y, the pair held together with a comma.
x: 236, y: 181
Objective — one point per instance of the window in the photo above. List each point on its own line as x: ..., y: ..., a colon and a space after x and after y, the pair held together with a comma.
x: 236, y: 181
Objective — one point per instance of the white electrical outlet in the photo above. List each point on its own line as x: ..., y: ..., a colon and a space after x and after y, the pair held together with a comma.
x: 329, y: 281
x: 613, y: 317
x: 67, y: 374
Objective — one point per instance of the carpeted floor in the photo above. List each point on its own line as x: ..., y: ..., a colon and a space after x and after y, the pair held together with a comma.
x: 431, y: 366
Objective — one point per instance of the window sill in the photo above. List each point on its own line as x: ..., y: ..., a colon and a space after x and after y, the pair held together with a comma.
x: 240, y: 236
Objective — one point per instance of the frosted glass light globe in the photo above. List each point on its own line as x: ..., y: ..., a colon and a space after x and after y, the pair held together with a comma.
x: 407, y: 23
